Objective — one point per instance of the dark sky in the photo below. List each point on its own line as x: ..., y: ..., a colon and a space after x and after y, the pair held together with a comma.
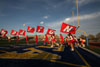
x: 15, y: 13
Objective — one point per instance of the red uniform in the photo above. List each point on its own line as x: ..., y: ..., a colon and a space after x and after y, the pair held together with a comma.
x: 81, y: 41
x: 53, y: 39
x: 46, y: 39
x: 62, y: 39
x: 26, y: 39
x: 17, y: 38
x: 67, y: 40
x: 36, y: 39
x: 71, y: 40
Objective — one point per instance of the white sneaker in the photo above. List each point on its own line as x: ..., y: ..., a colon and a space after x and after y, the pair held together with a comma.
x: 83, y: 45
x: 58, y: 45
x: 72, y: 49
x: 52, y: 46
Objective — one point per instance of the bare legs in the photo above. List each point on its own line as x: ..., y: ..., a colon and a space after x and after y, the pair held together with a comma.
x: 72, y: 47
x: 52, y: 45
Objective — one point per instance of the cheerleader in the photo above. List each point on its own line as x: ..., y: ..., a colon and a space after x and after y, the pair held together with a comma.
x: 27, y: 40
x: 66, y: 41
x: 61, y: 40
x: 53, y: 40
x: 46, y: 39
x: 9, y: 38
x: 17, y: 39
x: 36, y: 39
x: 82, y: 42
x: 70, y: 41
x: 75, y: 41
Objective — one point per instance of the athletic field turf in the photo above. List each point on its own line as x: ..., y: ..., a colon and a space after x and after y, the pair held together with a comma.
x: 45, y: 56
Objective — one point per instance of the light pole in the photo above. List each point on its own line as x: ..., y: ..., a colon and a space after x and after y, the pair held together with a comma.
x: 41, y: 23
x: 23, y: 26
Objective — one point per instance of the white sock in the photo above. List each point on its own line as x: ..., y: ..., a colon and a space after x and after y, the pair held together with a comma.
x: 72, y: 49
